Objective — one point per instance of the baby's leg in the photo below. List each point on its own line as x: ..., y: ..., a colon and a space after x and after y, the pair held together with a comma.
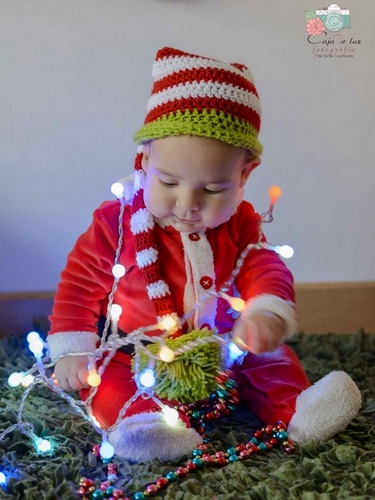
x: 116, y: 388
x: 270, y: 383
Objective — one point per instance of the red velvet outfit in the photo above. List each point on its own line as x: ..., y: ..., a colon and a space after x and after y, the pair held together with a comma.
x: 191, y: 264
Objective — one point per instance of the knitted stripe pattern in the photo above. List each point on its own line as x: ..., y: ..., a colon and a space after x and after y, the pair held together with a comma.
x: 194, y: 95
x: 142, y: 225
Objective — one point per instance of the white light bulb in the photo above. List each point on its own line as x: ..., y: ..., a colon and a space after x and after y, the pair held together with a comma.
x: 118, y: 270
x: 42, y: 445
x: 117, y: 189
x: 285, y: 251
x: 147, y: 377
x: 26, y: 381
x: 237, y: 304
x: 166, y: 354
x: 167, y: 323
x: 106, y: 450
x: 15, y: 379
x: 32, y: 336
x: 234, y: 350
x: 116, y: 311
x: 3, y: 478
x: 36, y: 346
x: 170, y: 415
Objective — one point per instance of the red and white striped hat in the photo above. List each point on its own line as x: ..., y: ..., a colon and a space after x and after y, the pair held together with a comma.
x: 198, y: 96
x: 195, y: 95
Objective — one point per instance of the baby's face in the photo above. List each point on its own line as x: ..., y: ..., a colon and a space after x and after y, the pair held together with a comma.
x: 193, y: 183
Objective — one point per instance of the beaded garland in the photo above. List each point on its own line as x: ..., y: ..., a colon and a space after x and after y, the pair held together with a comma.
x: 221, y: 402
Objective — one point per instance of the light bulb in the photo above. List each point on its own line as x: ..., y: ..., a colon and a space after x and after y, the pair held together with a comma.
x: 36, y: 346
x: 147, y: 377
x: 170, y: 415
x: 166, y: 354
x: 31, y: 336
x: 15, y: 379
x: 106, y: 450
x: 3, y: 478
x: 167, y: 323
x: 285, y: 251
x: 118, y: 270
x: 234, y: 351
x: 26, y: 381
x: 42, y: 445
x: 237, y: 304
x: 274, y: 194
x: 116, y: 311
x: 117, y: 189
x: 93, y: 378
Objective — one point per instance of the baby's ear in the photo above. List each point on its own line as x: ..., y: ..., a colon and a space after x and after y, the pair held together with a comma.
x: 250, y: 165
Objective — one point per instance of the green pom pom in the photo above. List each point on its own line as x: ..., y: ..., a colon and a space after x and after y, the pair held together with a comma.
x: 191, y: 375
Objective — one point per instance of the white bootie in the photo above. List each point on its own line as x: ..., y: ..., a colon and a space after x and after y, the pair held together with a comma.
x: 147, y: 436
x: 325, y: 408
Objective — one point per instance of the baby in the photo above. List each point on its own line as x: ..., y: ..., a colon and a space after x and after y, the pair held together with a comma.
x: 183, y: 228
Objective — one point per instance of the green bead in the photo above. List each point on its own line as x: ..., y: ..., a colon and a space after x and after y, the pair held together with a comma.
x: 230, y: 384
x: 232, y: 407
x: 97, y: 495
x: 198, y: 462
x: 263, y: 447
x: 197, y: 453
x: 196, y: 414
x: 231, y: 451
x: 282, y: 435
x: 109, y: 492
x: 222, y: 393
x: 171, y: 476
x: 139, y: 495
x: 254, y: 441
x: 233, y: 458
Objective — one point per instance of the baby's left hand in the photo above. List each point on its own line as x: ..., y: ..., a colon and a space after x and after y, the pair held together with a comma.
x: 259, y: 332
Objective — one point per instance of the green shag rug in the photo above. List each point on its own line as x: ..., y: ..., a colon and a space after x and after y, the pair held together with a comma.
x: 343, y: 467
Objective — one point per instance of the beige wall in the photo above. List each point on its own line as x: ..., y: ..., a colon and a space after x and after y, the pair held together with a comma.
x: 75, y: 81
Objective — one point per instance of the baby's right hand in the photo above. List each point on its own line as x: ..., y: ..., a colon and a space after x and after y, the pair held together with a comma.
x: 71, y: 372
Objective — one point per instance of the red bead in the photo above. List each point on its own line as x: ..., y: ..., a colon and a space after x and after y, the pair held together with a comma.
x: 207, y: 458
x: 221, y: 461
x: 268, y: 429
x: 274, y: 441
x: 181, y: 471
x: 82, y: 491
x: 241, y: 447
x: 280, y: 425
x: 219, y: 454
x: 220, y: 407
x: 183, y: 409
x: 258, y: 434
x: 244, y: 453
x: 162, y: 482
x: 191, y: 466
x: 234, y: 400
x: 210, y: 415
x: 152, y: 489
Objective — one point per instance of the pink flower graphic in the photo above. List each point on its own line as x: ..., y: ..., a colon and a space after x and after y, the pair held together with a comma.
x: 315, y: 26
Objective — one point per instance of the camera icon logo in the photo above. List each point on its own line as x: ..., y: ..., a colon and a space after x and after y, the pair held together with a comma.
x: 334, y: 18
x: 331, y: 18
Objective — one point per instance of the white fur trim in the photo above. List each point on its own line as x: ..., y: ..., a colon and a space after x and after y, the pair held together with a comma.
x: 199, y: 263
x: 274, y: 304
x: 147, y: 436
x: 141, y: 221
x: 146, y: 257
x: 169, y: 65
x: 158, y: 289
x: 71, y: 342
x: 206, y: 89
x: 325, y: 408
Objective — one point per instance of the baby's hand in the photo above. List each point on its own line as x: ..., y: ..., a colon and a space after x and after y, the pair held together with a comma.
x: 259, y: 332
x: 71, y: 372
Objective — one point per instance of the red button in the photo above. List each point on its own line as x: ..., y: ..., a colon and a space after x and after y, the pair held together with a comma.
x: 194, y: 236
x: 206, y: 282
x: 205, y: 325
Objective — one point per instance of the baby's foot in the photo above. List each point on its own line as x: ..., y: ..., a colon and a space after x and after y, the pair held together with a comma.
x: 147, y: 436
x: 325, y: 408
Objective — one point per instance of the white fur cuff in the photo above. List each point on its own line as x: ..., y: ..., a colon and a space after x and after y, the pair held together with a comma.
x: 71, y: 342
x: 274, y: 304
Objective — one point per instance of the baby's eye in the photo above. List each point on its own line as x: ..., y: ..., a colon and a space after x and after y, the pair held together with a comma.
x: 213, y: 191
x: 167, y: 184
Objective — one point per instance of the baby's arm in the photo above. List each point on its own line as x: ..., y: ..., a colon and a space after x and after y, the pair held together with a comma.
x: 71, y: 372
x: 259, y: 332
